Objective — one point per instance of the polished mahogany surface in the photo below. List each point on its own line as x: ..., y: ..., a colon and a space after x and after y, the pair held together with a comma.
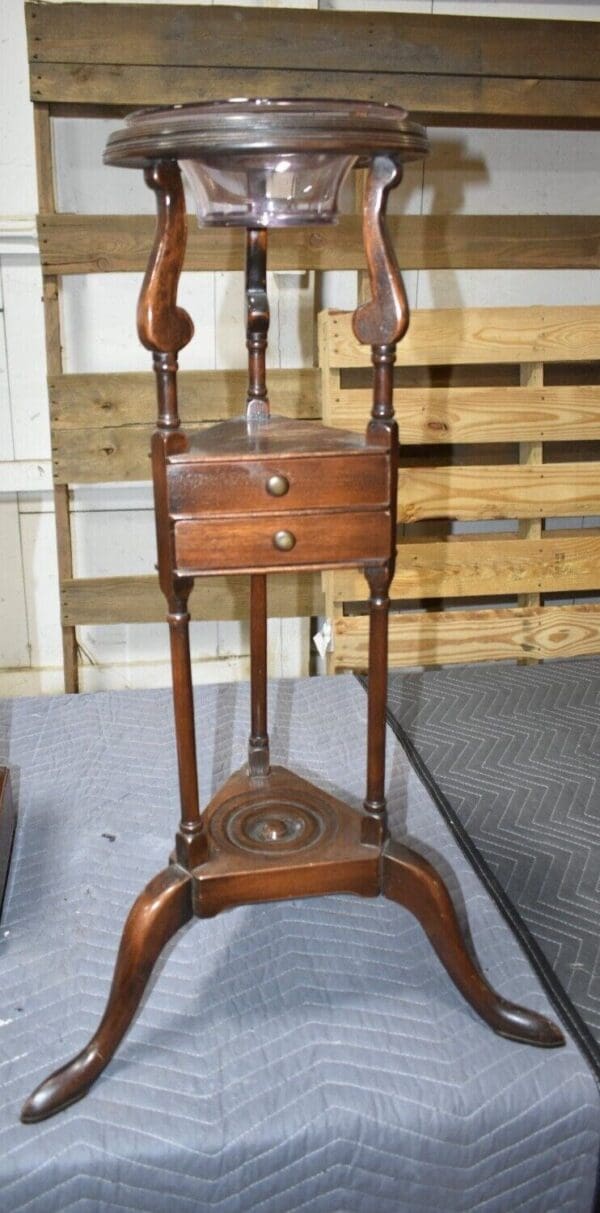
x: 255, y: 495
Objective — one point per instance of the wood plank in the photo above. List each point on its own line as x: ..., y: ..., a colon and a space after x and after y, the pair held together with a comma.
x: 47, y: 202
x: 111, y: 399
x: 92, y: 455
x: 438, y: 416
x: 509, y: 491
x: 102, y: 456
x: 451, y: 637
x: 525, y: 101
x: 106, y: 600
x: 76, y: 244
x: 465, y: 566
x: 519, y: 102
x: 451, y: 336
x: 287, y: 38
x: 531, y: 454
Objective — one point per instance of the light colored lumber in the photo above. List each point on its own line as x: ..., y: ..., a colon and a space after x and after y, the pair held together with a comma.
x: 111, y: 399
x: 440, y: 336
x: 465, y: 566
x: 95, y: 456
x: 437, y: 416
x: 531, y: 454
x: 109, y: 600
x: 451, y: 637
x: 46, y: 203
x: 510, y: 491
x: 77, y: 244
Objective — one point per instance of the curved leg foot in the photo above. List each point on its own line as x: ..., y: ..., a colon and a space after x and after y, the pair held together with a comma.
x: 414, y: 883
x: 163, y: 907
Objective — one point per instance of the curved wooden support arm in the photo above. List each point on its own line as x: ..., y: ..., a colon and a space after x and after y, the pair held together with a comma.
x: 162, y: 326
x: 384, y: 319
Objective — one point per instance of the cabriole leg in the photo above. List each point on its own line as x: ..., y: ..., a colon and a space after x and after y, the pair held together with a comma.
x: 163, y: 907
x: 414, y: 883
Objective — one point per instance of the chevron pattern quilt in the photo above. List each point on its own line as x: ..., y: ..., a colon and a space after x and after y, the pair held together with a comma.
x: 302, y: 1056
x: 515, y: 750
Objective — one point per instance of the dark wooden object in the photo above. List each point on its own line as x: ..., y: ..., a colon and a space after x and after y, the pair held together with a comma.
x: 260, y: 495
x: 8, y: 821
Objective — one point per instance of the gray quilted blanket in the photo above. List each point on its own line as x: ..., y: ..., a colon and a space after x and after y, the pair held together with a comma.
x: 307, y: 1055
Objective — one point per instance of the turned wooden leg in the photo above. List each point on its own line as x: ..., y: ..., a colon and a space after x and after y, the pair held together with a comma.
x: 258, y: 745
x: 378, y: 579
x: 414, y: 883
x: 164, y: 906
x: 190, y: 843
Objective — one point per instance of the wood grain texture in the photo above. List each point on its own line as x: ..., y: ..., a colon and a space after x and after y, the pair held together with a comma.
x: 531, y: 454
x: 129, y: 398
x: 184, y: 35
x: 464, y: 566
x: 435, y: 100
x: 451, y: 336
x: 451, y: 637
x: 54, y: 363
x: 319, y: 540
x: 438, y: 416
x: 103, y: 600
x: 510, y: 491
x: 103, y: 455
x: 76, y: 244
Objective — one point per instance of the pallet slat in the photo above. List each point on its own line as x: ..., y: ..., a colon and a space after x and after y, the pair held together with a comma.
x: 452, y: 336
x: 509, y: 491
x: 436, y: 100
x: 111, y: 399
x: 103, y: 455
x: 437, y: 416
x: 76, y: 244
x: 453, y: 637
x: 287, y: 38
x: 110, y: 600
x: 461, y: 567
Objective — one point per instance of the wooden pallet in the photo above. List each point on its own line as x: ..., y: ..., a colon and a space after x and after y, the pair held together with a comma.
x: 104, y: 60
x: 457, y: 465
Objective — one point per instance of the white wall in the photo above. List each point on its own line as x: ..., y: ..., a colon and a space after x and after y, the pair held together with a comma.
x: 469, y: 171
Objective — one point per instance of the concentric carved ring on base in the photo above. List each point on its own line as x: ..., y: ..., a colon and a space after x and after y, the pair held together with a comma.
x: 272, y: 825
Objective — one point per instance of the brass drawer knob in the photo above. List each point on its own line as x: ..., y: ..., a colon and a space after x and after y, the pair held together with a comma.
x: 284, y: 541
x: 277, y: 485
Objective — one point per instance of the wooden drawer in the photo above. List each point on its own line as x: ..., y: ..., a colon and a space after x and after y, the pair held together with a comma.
x: 243, y: 544
x: 222, y: 487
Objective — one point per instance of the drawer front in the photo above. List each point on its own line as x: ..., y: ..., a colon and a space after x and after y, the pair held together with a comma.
x: 281, y: 541
x: 290, y: 483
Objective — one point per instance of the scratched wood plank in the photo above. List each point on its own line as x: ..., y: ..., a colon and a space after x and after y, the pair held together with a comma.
x: 509, y: 491
x: 450, y: 336
x: 185, y: 35
x: 462, y: 567
x: 450, y: 637
x: 105, y: 600
x: 75, y: 244
x: 436, y: 100
x: 438, y: 416
x: 129, y: 398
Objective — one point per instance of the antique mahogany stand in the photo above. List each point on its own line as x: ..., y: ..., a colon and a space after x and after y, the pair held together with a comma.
x: 264, y: 494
